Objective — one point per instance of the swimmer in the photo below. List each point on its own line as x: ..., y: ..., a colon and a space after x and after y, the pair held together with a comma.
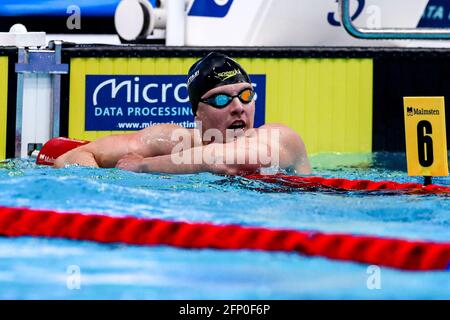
x: 223, y: 142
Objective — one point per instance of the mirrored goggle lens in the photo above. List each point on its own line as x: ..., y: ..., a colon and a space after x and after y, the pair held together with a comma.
x: 246, y: 95
x: 222, y: 100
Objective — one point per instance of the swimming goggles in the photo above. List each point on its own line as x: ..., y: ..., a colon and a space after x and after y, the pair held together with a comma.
x: 221, y: 100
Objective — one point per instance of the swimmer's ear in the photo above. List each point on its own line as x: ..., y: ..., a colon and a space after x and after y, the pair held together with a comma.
x: 198, y: 122
x: 198, y: 115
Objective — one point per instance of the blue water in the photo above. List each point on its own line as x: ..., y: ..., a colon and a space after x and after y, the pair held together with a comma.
x: 32, y: 268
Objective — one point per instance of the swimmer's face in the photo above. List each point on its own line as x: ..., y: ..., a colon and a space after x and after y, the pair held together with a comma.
x: 236, y: 117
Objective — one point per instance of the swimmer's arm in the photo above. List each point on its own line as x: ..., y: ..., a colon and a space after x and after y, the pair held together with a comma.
x: 289, y: 153
x: 292, y: 150
x: 296, y: 150
x: 76, y: 156
x: 105, y: 152
x: 210, y: 158
x: 159, y: 164
x: 100, y: 153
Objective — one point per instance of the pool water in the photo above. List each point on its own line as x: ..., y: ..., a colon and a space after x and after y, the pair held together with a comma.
x: 39, y: 268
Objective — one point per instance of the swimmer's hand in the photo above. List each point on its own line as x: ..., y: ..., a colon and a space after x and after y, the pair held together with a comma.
x: 131, y: 162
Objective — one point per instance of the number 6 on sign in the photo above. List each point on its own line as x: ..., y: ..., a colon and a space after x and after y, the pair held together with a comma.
x: 426, y: 144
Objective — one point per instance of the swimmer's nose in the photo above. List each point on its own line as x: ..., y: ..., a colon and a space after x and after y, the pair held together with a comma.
x: 236, y: 106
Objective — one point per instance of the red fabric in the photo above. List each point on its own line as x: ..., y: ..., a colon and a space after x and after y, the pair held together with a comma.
x: 55, y: 147
x: 395, y: 253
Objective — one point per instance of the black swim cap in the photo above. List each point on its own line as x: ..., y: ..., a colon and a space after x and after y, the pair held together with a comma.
x: 212, y: 71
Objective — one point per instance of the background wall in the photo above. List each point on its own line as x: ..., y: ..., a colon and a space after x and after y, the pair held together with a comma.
x: 327, y: 101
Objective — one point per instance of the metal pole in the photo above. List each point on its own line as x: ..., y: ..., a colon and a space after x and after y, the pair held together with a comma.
x: 175, y: 24
x: 388, y: 33
x: 22, y: 58
x: 56, y: 88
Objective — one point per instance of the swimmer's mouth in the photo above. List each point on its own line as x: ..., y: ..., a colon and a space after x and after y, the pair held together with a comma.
x: 238, y: 124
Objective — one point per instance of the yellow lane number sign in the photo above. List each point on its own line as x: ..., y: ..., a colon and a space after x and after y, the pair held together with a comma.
x: 426, y: 143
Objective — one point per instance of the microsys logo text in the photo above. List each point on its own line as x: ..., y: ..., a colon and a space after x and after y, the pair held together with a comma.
x: 115, y: 100
x: 210, y: 8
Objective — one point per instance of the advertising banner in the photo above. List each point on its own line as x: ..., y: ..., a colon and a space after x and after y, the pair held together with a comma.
x: 134, y: 102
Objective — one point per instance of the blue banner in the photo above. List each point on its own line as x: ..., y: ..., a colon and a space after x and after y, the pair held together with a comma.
x: 436, y: 15
x: 210, y: 8
x: 127, y: 102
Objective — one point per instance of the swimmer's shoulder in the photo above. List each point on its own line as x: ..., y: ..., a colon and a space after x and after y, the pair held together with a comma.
x: 284, y: 131
x: 274, y: 125
x: 289, y: 138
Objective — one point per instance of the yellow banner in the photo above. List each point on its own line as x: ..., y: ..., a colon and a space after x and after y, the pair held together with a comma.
x: 426, y: 143
x: 3, y: 104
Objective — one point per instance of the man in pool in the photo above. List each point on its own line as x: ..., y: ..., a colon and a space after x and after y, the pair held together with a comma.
x: 224, y: 140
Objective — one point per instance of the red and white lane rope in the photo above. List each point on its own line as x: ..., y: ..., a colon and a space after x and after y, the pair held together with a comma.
x: 394, y: 253
x: 319, y: 183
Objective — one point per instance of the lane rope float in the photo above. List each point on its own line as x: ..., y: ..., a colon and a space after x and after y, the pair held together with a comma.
x: 388, y: 252
x: 320, y: 183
